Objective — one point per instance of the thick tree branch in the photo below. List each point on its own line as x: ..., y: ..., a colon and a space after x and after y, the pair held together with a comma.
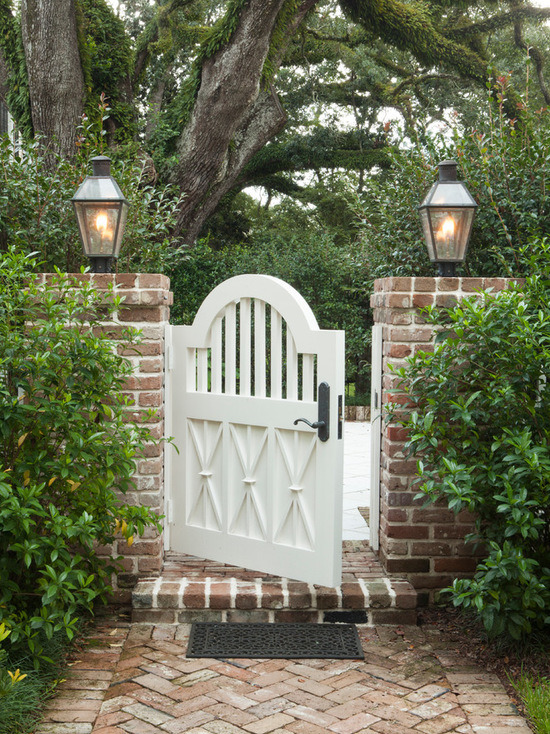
x: 283, y: 185
x: 227, y: 104
x: 291, y: 30
x: 411, y: 28
x: 151, y: 35
x: 333, y: 39
x: 323, y: 149
x: 414, y: 81
x: 499, y: 21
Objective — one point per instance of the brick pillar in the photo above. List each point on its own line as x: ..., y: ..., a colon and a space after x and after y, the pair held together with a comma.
x: 424, y: 544
x: 146, y: 307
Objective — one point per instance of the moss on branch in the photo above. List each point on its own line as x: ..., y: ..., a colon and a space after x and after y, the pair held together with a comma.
x: 323, y: 149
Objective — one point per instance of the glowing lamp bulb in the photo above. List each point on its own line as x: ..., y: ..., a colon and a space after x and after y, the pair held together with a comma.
x: 101, y: 222
x: 448, y: 227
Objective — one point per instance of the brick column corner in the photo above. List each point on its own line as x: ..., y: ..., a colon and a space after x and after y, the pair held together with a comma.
x: 424, y: 544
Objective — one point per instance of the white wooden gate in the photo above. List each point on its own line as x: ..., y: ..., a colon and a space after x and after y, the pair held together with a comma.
x: 248, y: 486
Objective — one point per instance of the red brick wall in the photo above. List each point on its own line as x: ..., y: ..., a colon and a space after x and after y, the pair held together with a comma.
x: 425, y: 544
x: 146, y: 306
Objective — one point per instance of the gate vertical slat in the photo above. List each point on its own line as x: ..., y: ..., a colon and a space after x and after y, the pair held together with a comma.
x: 276, y: 355
x: 291, y: 367
x: 245, y: 353
x: 217, y: 356
x: 202, y: 370
x: 259, y: 348
x: 307, y: 369
x: 231, y: 349
x: 191, y: 369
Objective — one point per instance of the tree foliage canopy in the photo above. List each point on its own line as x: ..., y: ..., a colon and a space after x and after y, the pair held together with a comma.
x: 227, y: 94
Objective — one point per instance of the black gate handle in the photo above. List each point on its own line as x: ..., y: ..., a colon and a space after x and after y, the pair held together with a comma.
x: 322, y: 424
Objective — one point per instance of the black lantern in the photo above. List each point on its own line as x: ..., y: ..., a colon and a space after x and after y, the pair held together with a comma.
x: 101, y: 211
x: 447, y: 215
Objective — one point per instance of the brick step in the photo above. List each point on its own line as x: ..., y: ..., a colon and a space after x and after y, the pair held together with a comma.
x: 194, y: 589
x: 214, y: 599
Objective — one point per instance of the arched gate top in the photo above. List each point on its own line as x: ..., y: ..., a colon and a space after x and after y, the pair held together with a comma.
x: 281, y: 296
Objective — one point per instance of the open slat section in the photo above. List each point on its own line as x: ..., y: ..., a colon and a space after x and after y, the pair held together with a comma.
x: 252, y: 352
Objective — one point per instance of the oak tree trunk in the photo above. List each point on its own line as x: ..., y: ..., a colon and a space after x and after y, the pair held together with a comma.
x: 4, y: 86
x: 56, y: 82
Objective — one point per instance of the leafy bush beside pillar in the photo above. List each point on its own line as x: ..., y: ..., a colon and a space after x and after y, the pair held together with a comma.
x: 480, y: 427
x: 67, y: 455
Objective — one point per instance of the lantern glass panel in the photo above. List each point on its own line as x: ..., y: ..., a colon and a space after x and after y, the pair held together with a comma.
x: 428, y: 237
x: 120, y: 229
x: 100, y: 225
x: 451, y: 231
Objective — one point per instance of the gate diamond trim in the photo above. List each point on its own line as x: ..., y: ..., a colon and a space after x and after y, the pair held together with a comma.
x: 247, y: 492
x: 298, y: 506
x: 204, y: 502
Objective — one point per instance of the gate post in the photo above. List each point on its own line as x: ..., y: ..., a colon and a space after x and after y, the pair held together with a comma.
x: 424, y: 544
x: 146, y: 307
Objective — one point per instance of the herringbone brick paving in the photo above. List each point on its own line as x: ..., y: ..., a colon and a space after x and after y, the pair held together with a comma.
x: 135, y: 679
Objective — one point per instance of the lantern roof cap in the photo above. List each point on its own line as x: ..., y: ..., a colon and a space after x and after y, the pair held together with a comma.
x: 447, y: 170
x: 100, y: 187
x: 101, y: 165
x: 448, y: 191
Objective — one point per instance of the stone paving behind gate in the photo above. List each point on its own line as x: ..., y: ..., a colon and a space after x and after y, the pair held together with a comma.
x: 136, y: 679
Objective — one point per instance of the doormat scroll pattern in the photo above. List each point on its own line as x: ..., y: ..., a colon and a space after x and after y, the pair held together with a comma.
x: 266, y: 640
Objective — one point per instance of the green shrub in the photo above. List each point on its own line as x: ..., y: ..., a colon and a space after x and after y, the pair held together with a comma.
x: 481, y: 428
x: 66, y: 452
x: 506, y: 169
x: 36, y: 214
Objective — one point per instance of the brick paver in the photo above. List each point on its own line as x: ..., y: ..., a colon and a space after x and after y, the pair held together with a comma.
x: 135, y: 679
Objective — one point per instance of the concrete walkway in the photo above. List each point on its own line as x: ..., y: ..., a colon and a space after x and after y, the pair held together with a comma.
x: 135, y: 679
x: 356, y: 479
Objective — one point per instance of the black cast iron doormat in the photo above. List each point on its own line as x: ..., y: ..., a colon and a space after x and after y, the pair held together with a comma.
x: 266, y: 640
